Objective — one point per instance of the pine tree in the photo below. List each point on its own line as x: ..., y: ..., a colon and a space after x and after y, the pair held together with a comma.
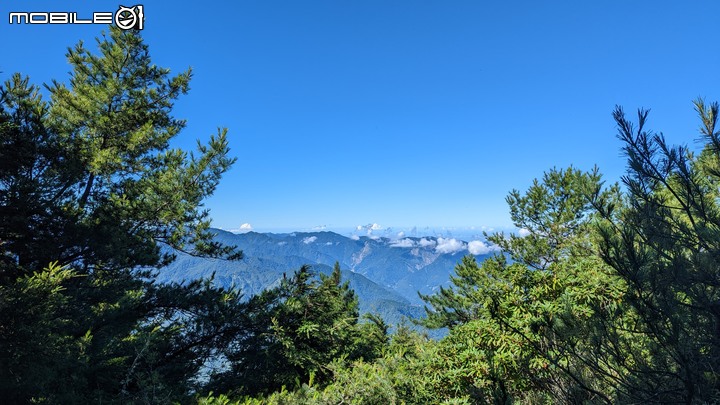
x: 663, y: 240
x: 518, y: 321
x: 89, y: 185
x: 298, y: 329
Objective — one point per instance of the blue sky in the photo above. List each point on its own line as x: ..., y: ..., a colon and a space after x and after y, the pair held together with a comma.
x: 405, y: 113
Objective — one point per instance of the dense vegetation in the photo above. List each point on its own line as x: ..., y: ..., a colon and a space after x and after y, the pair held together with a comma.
x: 612, y: 297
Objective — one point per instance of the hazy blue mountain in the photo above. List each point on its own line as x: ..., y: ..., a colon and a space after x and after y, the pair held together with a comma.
x: 386, y: 274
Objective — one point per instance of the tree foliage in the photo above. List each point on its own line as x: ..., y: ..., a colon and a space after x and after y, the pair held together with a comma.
x: 663, y: 243
x: 514, y: 318
x: 92, y: 200
x: 407, y: 373
x: 296, y: 331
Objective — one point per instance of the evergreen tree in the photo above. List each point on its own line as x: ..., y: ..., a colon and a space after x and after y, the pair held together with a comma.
x: 664, y: 242
x: 298, y: 329
x: 92, y: 201
x: 518, y: 320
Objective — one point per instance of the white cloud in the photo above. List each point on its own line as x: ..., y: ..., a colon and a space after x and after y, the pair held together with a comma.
x: 243, y: 228
x: 309, y: 240
x: 354, y: 237
x: 369, y: 228
x: 426, y: 242
x: 328, y: 243
x: 403, y: 243
x: 319, y: 228
x: 523, y: 232
x: 400, y: 235
x: 478, y: 247
x: 283, y: 243
x: 451, y: 245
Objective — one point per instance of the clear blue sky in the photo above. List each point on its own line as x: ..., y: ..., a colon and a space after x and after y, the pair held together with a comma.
x: 405, y: 113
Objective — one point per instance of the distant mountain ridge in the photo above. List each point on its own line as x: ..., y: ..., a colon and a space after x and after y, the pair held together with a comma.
x: 386, y: 274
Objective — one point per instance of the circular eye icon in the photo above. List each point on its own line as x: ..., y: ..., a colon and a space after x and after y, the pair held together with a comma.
x: 126, y: 18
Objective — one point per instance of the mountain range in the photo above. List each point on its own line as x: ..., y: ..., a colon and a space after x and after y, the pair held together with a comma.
x: 386, y: 274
